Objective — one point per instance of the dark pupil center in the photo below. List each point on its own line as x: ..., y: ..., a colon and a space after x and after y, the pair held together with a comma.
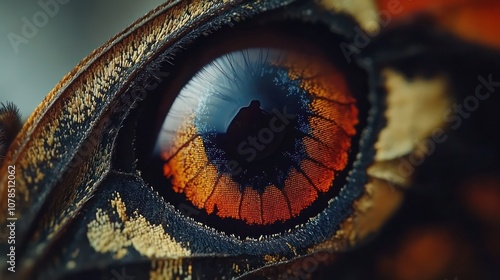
x: 259, y: 146
x: 254, y: 134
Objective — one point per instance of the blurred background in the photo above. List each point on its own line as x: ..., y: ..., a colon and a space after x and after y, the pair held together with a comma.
x: 65, y: 34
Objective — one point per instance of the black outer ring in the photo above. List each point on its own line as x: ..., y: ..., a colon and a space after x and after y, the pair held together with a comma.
x: 203, y: 239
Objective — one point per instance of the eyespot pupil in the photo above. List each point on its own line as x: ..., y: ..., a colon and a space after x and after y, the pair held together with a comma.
x: 259, y: 147
x: 260, y: 129
x: 261, y: 141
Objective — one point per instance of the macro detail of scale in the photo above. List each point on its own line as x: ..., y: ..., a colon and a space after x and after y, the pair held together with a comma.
x: 279, y: 139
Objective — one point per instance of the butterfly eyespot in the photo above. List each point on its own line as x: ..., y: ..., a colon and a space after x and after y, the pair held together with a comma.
x: 265, y: 139
x: 260, y: 136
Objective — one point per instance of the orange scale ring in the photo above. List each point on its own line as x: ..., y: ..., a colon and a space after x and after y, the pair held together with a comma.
x: 333, y: 117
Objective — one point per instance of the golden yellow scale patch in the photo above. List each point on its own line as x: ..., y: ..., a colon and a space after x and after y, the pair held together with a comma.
x: 106, y: 236
x: 364, y: 11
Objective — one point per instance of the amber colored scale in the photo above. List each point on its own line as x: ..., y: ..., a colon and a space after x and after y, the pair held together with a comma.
x: 331, y: 118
